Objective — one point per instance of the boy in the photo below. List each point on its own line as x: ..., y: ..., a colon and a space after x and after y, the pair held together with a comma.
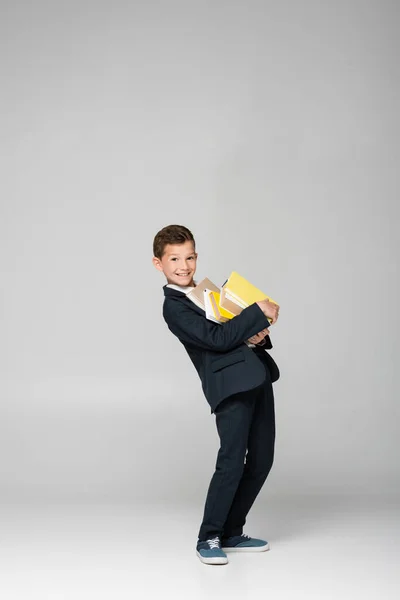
x: 236, y: 376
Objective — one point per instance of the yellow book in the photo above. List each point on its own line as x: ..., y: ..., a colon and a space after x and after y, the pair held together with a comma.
x: 220, y: 313
x: 237, y: 293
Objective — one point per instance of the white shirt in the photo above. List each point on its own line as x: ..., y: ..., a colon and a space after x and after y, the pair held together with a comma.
x: 182, y: 288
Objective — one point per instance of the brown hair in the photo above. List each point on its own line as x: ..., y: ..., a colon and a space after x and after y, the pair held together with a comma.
x: 171, y: 234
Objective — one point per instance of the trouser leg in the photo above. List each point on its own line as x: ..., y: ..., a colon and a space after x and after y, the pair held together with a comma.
x: 233, y: 420
x: 259, y: 460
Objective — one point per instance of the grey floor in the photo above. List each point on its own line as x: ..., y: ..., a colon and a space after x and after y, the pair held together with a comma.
x: 321, y: 547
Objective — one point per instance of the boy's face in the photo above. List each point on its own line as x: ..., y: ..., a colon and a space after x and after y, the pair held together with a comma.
x: 178, y: 263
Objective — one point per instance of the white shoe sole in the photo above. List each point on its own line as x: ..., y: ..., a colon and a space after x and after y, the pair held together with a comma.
x: 247, y: 549
x: 212, y: 560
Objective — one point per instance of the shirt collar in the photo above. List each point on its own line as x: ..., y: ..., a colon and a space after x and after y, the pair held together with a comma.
x: 180, y: 288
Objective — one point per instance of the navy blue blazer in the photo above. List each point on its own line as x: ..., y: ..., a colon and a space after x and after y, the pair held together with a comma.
x: 224, y: 362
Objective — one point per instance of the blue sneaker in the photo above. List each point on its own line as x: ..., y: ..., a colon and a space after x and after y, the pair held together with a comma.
x: 243, y: 543
x: 210, y: 553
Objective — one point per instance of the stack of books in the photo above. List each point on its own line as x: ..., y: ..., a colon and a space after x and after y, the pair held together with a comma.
x: 222, y: 304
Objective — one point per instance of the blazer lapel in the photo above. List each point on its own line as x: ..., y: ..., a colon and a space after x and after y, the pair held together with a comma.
x: 181, y: 296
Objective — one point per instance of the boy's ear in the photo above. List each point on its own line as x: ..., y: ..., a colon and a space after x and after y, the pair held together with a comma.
x: 157, y: 263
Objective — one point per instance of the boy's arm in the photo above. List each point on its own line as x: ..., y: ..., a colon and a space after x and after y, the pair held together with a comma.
x: 192, y: 328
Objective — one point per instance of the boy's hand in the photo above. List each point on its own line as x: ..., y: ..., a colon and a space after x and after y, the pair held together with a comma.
x: 256, y: 339
x: 269, y: 309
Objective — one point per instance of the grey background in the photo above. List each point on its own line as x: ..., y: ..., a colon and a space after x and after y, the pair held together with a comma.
x: 270, y: 130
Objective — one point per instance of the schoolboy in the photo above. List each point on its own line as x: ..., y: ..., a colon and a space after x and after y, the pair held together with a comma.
x: 236, y: 376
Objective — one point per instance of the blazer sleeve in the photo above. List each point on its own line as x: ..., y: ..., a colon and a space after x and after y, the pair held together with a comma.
x: 195, y: 329
x: 267, y: 345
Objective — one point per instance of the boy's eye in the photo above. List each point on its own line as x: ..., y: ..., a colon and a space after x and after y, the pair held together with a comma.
x: 192, y: 257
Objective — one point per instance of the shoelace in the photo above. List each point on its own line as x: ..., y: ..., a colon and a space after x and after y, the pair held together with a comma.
x: 213, y: 543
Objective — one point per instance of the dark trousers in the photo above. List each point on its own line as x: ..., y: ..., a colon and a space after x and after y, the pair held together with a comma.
x: 245, y: 421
